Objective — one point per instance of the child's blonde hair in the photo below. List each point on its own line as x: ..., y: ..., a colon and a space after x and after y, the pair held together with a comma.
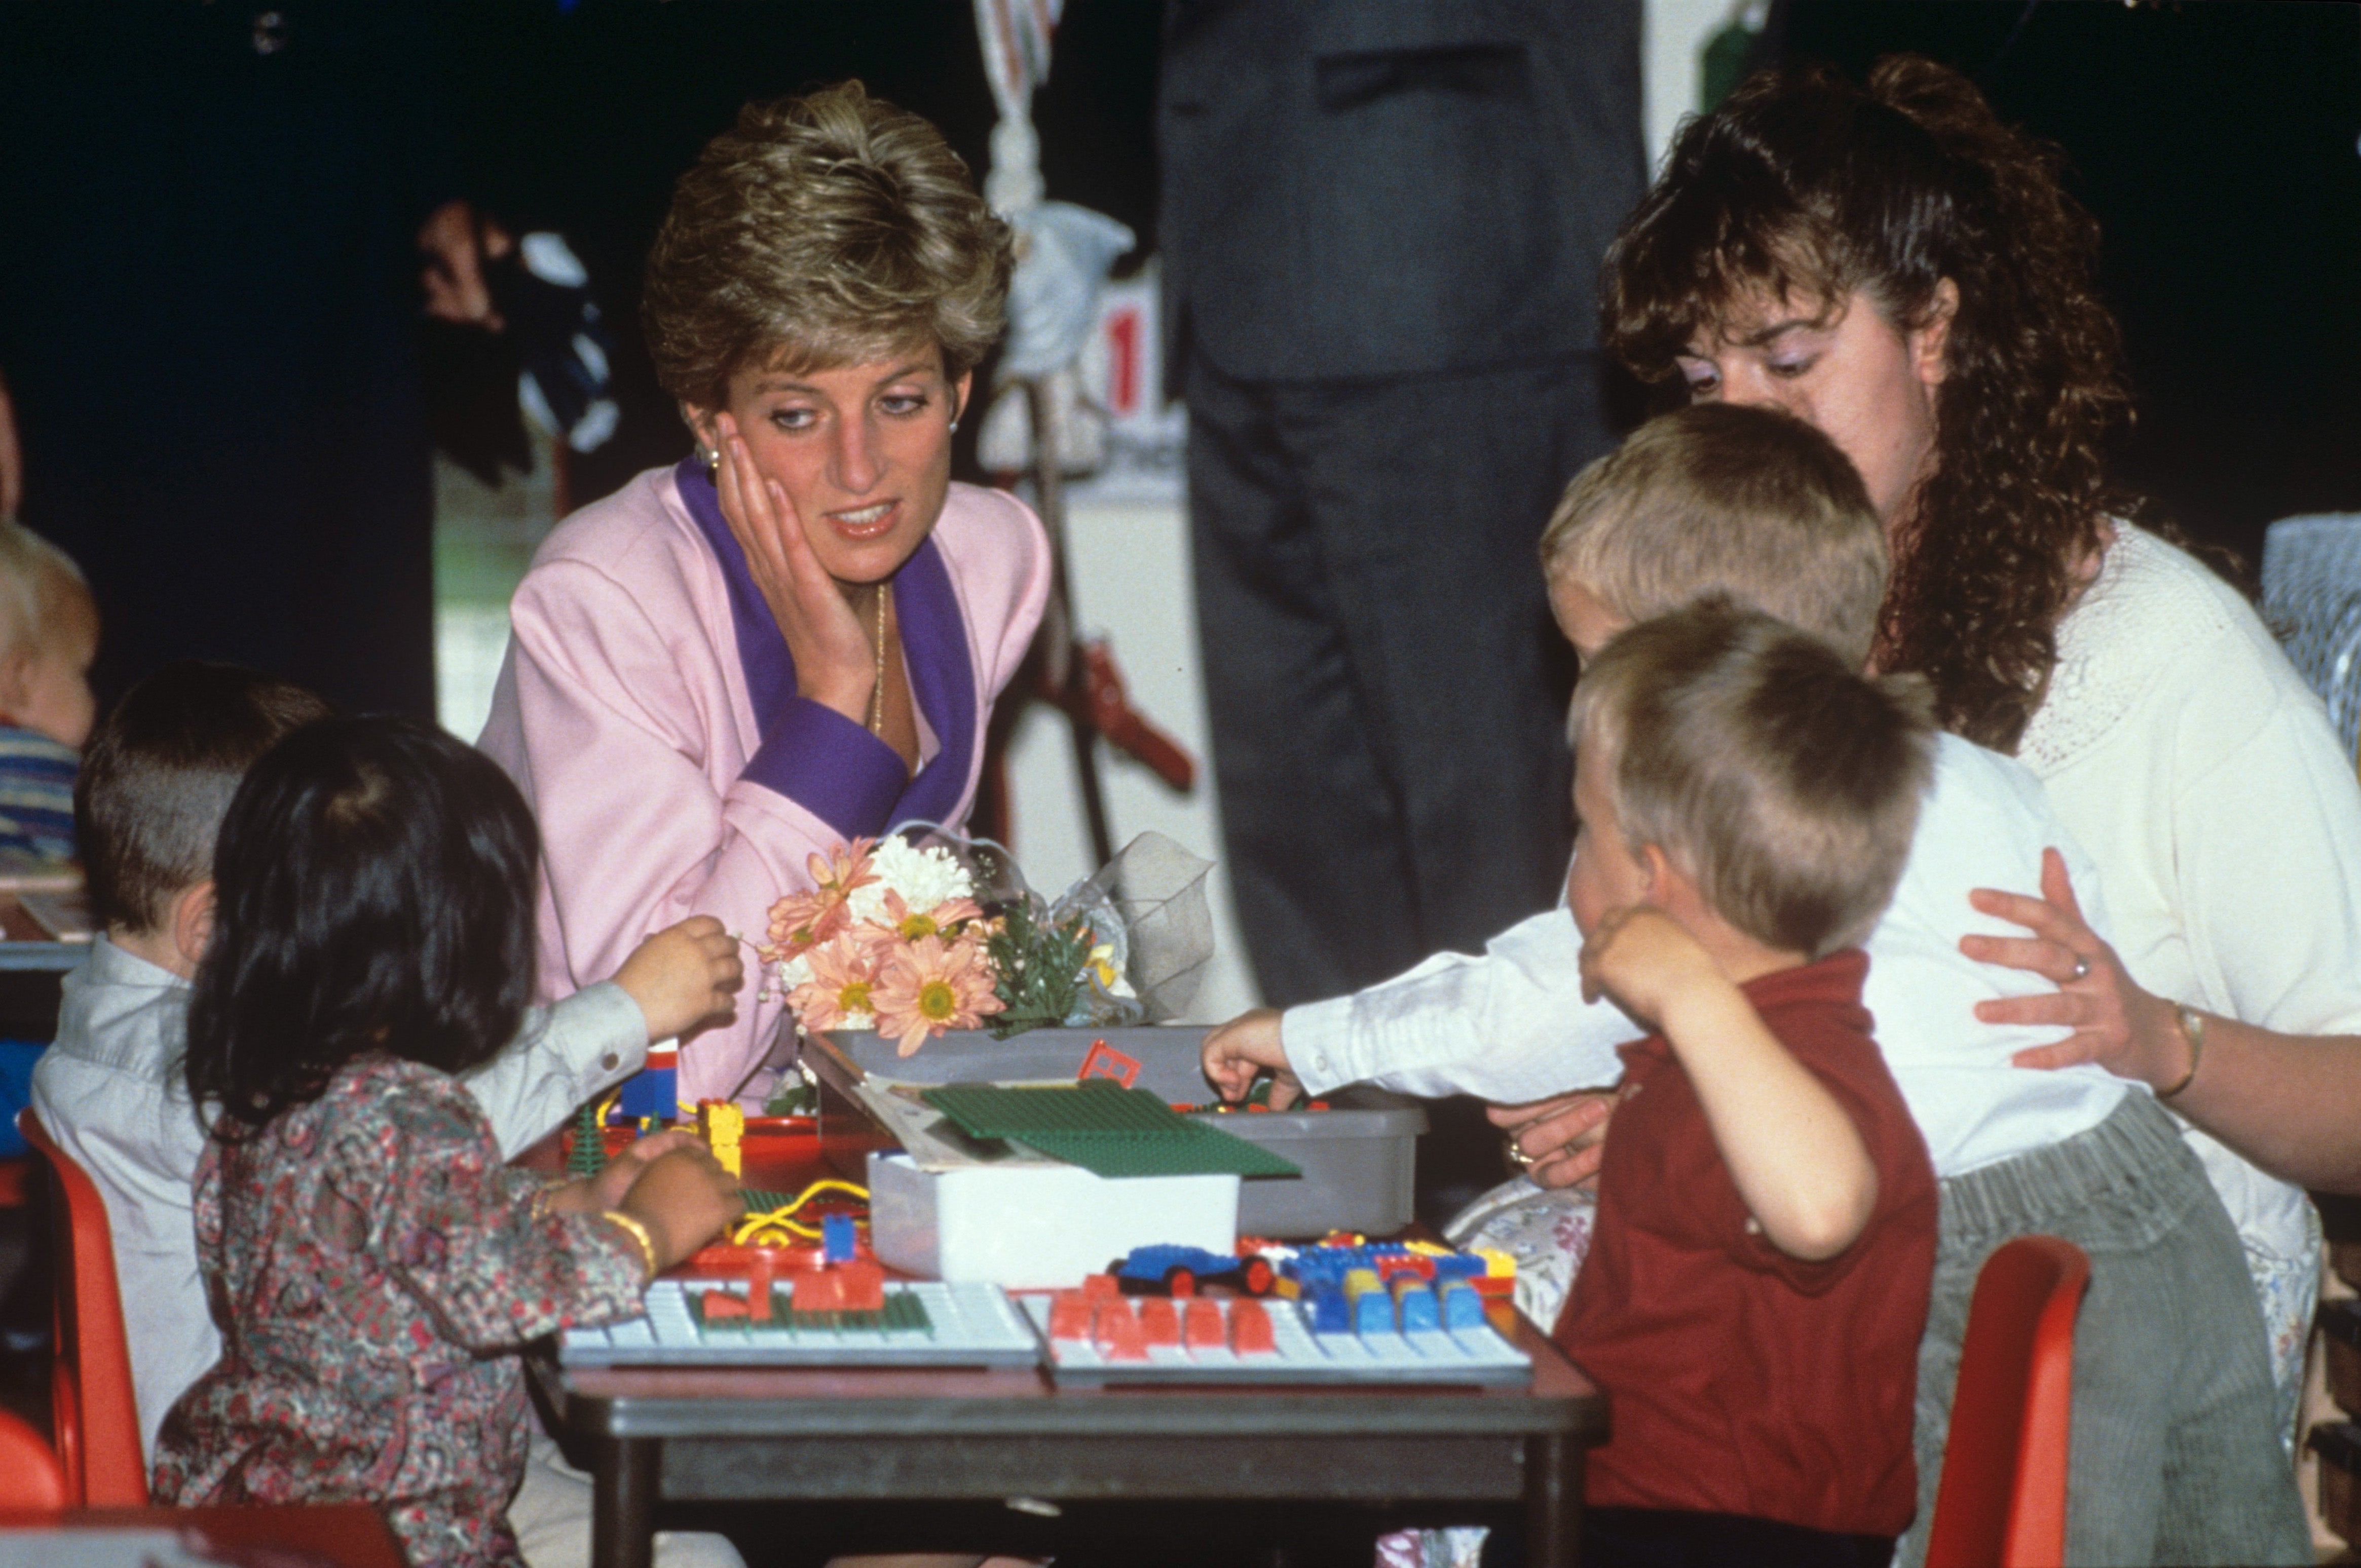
x: 35, y: 574
x: 1717, y: 498
x: 1767, y: 768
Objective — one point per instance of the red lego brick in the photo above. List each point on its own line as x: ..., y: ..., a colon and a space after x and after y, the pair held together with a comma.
x: 1070, y: 1315
x: 719, y: 1306
x: 1096, y: 1286
x: 1250, y: 1332
x: 1119, y: 1334
x: 758, y: 1286
x: 1201, y: 1328
x: 1160, y: 1321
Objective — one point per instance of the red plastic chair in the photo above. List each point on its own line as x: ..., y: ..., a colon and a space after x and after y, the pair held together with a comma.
x: 31, y: 1479
x: 96, y: 1415
x: 2003, y: 1500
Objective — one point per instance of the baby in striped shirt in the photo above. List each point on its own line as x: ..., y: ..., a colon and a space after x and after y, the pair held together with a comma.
x: 49, y: 635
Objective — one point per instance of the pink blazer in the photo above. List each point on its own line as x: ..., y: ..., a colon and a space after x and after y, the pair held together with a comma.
x: 624, y: 713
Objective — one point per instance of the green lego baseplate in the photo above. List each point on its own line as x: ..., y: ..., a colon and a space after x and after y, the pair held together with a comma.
x: 1105, y: 1128
x: 903, y: 1313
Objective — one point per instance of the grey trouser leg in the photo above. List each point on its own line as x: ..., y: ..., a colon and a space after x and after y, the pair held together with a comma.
x: 1383, y: 678
x: 2175, y: 1453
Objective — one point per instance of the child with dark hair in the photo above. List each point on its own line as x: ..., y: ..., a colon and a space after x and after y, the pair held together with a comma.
x: 157, y: 779
x: 361, y: 1239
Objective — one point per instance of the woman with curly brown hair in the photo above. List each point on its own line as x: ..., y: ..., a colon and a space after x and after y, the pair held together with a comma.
x: 1898, y: 268
x: 795, y: 638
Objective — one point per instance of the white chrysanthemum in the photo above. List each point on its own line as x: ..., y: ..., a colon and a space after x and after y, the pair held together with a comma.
x: 794, y: 973
x: 923, y: 878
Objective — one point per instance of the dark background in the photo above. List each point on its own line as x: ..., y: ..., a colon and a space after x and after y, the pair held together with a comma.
x: 2216, y: 143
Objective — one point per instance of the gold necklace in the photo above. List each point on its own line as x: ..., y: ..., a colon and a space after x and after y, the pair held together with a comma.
x: 877, y: 693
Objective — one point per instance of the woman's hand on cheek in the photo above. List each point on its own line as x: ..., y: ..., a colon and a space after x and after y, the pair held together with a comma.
x: 836, y: 662
x: 2116, y: 1024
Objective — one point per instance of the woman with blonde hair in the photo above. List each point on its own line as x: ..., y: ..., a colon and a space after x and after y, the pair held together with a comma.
x: 795, y: 636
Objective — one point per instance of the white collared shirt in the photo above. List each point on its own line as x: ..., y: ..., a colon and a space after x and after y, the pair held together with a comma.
x: 1511, y: 1026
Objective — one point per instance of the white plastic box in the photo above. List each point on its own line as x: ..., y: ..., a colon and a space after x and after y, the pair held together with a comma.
x: 1029, y: 1226
x: 1358, y: 1160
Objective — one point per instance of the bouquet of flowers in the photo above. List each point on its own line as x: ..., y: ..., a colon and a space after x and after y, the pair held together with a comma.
x: 914, y: 940
x: 890, y: 938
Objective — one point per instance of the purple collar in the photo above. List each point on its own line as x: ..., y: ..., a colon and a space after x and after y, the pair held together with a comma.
x: 934, y: 647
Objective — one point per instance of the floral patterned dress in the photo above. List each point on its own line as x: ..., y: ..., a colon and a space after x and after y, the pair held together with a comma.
x: 370, y: 1262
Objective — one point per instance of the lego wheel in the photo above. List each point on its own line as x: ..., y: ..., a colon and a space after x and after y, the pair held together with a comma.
x: 1180, y: 1280
x: 1256, y: 1277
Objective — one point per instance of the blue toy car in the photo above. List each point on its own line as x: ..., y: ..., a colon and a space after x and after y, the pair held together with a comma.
x: 1170, y: 1270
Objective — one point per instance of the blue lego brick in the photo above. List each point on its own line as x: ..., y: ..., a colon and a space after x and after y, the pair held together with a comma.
x: 1414, y: 1306
x: 838, y: 1239
x: 1331, y: 1314
x: 1462, y: 1307
x: 653, y: 1091
x: 1373, y: 1312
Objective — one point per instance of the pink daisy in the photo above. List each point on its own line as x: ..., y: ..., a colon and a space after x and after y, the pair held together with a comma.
x: 845, y: 868
x: 932, y: 985
x: 944, y: 919
x: 801, y: 921
x: 843, y: 984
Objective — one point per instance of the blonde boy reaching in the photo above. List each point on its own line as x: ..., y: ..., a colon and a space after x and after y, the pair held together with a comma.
x: 1751, y: 504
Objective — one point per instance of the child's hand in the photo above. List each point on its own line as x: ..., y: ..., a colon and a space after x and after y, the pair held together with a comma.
x: 1641, y: 959
x: 684, y: 975
x: 684, y: 1198
x: 596, y: 1194
x: 1244, y: 1046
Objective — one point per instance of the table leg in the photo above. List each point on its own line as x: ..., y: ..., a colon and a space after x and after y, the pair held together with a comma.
x: 623, y: 1504
x: 1553, y: 1501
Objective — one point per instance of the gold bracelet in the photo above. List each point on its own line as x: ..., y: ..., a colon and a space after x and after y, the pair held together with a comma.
x: 2193, y: 1029
x: 639, y: 1234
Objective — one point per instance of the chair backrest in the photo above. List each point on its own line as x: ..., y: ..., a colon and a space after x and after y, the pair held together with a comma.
x: 2002, y: 1499
x: 31, y: 1479
x: 96, y: 1415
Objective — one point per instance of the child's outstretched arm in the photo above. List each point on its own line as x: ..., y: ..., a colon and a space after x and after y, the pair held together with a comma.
x: 1234, y: 1054
x: 1800, y: 1163
x: 573, y: 1049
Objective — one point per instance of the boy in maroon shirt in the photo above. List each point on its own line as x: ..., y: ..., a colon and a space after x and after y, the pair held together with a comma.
x: 1765, y: 1237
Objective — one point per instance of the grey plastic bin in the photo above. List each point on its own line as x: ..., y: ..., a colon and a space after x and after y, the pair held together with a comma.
x: 1357, y: 1156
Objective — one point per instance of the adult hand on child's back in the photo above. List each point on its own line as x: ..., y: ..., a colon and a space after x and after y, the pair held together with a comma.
x: 1234, y: 1054
x: 685, y: 1198
x: 1561, y: 1140
x: 684, y: 975
x: 2124, y: 1028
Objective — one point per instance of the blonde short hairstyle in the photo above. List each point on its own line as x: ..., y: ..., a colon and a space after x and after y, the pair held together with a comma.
x: 1765, y: 766
x: 1718, y: 498
x: 36, y: 579
x: 823, y: 231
